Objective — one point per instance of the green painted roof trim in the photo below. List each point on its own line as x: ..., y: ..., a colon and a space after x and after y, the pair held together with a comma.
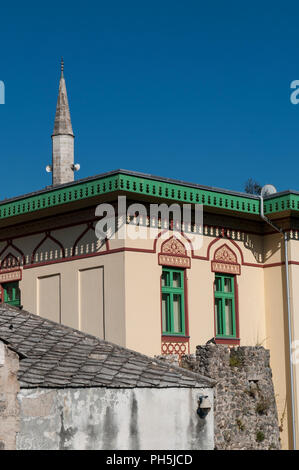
x: 131, y: 184
x: 136, y: 184
x: 281, y: 203
x: 185, y: 194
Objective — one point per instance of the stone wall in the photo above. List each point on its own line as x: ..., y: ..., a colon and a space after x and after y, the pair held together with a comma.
x: 245, y: 413
x: 9, y: 387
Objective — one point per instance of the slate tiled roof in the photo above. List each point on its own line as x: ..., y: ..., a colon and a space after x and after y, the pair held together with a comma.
x: 60, y: 357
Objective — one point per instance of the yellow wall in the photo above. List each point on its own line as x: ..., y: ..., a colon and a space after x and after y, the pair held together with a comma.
x: 143, y: 309
x: 126, y: 307
x: 106, y: 271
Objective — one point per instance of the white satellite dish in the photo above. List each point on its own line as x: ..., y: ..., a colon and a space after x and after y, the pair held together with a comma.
x: 49, y: 168
x: 268, y: 190
x: 76, y: 167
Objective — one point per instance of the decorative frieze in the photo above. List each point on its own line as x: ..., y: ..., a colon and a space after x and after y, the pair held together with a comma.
x: 178, y: 346
x: 174, y: 261
x: 225, y: 261
x: 9, y: 275
x: 226, y: 268
x: 173, y: 253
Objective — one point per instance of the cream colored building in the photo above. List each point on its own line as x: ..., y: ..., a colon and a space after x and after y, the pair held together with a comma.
x: 152, y: 289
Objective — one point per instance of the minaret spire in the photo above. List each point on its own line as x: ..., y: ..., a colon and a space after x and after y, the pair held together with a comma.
x: 62, y: 139
x: 62, y: 123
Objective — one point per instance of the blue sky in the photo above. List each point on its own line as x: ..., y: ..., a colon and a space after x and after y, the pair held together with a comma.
x: 192, y: 90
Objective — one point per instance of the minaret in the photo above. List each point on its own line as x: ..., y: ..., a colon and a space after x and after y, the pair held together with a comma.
x: 62, y: 139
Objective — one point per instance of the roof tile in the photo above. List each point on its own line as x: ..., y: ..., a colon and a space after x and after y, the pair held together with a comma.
x: 59, y: 356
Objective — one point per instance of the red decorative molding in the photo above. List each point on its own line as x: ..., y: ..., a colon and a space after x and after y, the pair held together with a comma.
x: 10, y: 261
x: 152, y: 250
x: 141, y: 250
x: 9, y: 275
x: 74, y: 258
x: 11, y: 245
x: 230, y: 241
x: 228, y: 341
x: 173, y: 246
x: 19, y: 232
x: 174, y: 261
x: 175, y: 345
x: 173, y: 253
x: 89, y: 227
x: 224, y: 253
x: 225, y: 261
x: 47, y: 235
x: 228, y: 268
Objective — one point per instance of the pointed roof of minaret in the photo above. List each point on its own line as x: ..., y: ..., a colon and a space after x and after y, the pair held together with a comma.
x: 62, y: 124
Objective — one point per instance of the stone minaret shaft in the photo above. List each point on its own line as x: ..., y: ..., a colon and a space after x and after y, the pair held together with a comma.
x: 62, y: 139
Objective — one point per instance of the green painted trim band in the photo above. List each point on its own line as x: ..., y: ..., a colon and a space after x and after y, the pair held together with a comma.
x: 282, y: 203
x: 147, y: 187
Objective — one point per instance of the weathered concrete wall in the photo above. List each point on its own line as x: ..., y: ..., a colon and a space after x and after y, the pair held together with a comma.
x: 244, y: 408
x: 99, y: 418
x: 9, y: 407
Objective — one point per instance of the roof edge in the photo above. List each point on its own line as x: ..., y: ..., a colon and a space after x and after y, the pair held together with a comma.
x: 17, y: 351
x: 51, y: 188
x: 202, y: 380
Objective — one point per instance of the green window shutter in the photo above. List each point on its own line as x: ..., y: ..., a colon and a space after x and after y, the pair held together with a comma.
x: 173, y: 302
x: 225, y: 312
x: 11, y: 293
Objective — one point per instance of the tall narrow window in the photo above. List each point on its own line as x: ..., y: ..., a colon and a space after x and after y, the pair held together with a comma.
x: 173, y: 305
x: 225, y: 315
x: 11, y: 293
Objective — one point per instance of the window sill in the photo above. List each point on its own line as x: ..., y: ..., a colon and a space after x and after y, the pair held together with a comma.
x: 232, y: 341
x: 171, y: 337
